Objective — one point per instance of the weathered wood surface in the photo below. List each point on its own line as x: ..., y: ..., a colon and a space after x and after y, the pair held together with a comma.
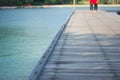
x: 89, y: 49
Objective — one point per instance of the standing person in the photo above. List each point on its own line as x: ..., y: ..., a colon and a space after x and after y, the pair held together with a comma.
x: 93, y: 5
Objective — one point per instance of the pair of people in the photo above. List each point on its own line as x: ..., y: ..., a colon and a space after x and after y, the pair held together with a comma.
x: 93, y: 5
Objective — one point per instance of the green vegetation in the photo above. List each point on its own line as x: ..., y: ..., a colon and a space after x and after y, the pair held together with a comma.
x: 51, y: 2
x: 14, y: 2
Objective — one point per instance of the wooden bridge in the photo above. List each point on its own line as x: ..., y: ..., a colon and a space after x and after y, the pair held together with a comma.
x: 87, y: 47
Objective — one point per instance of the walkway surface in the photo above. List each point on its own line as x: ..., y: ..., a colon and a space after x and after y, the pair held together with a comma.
x: 88, y: 49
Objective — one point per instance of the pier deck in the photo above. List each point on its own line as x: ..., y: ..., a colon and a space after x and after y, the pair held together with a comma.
x: 88, y: 49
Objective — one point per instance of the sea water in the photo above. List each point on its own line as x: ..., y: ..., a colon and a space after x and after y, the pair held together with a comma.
x: 25, y: 34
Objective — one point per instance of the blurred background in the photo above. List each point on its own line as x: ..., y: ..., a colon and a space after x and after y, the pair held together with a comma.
x: 51, y: 2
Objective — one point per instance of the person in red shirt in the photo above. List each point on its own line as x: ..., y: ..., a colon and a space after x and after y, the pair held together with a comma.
x: 93, y: 5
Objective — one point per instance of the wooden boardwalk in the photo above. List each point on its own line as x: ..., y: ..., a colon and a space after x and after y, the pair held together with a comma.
x: 87, y: 49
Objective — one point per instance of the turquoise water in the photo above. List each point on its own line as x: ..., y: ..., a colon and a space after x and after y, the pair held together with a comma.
x: 24, y: 36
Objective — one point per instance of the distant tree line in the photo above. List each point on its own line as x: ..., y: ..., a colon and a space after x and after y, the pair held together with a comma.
x: 14, y: 2
x: 47, y: 2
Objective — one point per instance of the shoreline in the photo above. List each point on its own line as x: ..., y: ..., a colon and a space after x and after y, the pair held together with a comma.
x: 52, y: 6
